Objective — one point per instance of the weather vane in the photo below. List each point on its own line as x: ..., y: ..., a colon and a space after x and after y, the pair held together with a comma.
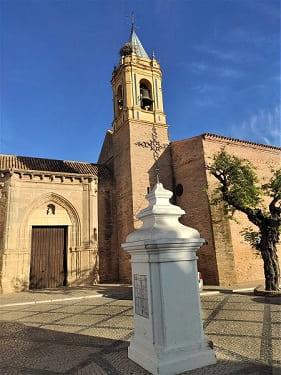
x: 155, y: 146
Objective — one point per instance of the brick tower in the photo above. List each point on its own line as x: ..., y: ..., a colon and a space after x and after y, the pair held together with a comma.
x: 139, y: 125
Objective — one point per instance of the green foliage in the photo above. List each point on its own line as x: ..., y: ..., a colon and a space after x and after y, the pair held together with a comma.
x: 238, y: 181
x: 273, y: 187
x: 252, y: 237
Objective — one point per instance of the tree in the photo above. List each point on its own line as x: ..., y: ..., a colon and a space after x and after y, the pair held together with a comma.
x: 239, y: 189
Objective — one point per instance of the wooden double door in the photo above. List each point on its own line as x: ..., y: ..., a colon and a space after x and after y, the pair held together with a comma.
x: 48, y: 265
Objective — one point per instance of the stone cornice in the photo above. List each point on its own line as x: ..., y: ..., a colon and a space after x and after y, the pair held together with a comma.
x: 221, y: 138
x: 211, y: 136
x: 49, y: 174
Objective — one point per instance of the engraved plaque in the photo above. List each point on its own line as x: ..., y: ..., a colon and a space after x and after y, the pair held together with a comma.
x: 141, y: 297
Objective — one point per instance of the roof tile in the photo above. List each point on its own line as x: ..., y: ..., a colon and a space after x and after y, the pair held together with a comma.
x: 51, y: 165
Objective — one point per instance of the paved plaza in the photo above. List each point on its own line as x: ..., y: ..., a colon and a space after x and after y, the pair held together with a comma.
x: 87, y: 331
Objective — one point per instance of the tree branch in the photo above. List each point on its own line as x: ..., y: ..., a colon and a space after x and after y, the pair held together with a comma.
x: 255, y: 216
x: 274, y: 210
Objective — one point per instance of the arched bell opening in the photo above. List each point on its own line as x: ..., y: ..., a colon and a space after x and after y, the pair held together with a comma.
x: 119, y: 100
x: 145, y: 95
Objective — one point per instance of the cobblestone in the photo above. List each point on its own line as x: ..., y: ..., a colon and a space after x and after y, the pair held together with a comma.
x: 90, y: 336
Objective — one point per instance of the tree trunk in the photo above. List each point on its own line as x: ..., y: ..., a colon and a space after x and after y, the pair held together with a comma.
x: 270, y: 259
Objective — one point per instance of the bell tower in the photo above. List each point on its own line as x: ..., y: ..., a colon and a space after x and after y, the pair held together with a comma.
x: 137, y: 86
x: 139, y: 125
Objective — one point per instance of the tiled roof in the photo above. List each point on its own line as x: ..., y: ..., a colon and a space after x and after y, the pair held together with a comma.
x: 50, y: 165
x: 210, y: 135
x: 138, y: 48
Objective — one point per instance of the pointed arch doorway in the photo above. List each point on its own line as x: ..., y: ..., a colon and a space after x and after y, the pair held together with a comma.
x: 48, y: 266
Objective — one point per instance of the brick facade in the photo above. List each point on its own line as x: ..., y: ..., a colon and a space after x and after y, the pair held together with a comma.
x: 225, y: 258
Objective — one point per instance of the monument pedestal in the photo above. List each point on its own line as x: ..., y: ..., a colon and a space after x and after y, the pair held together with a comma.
x: 168, y: 337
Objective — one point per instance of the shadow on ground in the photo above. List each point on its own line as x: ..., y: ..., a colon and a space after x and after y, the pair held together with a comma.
x: 109, y: 291
x: 268, y: 300
x: 62, y: 290
x: 120, y: 292
x: 31, y: 350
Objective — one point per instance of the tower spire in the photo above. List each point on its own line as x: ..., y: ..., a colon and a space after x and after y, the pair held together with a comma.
x: 133, y: 46
x: 136, y: 44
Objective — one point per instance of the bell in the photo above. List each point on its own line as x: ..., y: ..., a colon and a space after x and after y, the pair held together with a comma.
x: 145, y: 97
x: 144, y: 93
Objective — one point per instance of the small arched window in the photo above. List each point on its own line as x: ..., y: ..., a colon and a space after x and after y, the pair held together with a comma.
x: 145, y: 95
x: 119, y: 100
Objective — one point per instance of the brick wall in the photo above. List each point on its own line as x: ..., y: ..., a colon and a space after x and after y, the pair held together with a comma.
x: 134, y: 173
x: 247, y: 265
x: 189, y: 171
x: 123, y: 198
x: 226, y: 258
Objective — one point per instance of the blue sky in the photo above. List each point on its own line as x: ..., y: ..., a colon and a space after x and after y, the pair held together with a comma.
x: 220, y: 62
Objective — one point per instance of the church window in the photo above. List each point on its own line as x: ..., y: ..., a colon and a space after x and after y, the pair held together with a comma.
x: 145, y: 95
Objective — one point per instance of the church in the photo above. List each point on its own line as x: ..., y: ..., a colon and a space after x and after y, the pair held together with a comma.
x: 62, y: 223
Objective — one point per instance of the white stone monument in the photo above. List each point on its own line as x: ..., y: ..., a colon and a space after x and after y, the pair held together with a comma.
x: 168, y: 337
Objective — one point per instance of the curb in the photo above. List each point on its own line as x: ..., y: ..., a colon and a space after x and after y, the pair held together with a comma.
x: 226, y: 291
x: 203, y: 293
x: 50, y: 300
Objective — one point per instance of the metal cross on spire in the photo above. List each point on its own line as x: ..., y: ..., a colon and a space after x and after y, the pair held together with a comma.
x: 155, y: 146
x: 133, y: 16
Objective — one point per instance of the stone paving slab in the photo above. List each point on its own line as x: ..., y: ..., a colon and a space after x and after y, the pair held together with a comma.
x: 91, y: 335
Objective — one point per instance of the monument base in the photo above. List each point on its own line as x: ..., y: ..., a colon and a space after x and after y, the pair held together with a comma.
x: 171, y: 361
x: 168, y: 331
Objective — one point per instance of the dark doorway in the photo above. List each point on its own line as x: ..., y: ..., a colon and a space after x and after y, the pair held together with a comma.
x: 48, y: 266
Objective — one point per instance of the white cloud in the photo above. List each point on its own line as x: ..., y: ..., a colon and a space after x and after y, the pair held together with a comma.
x: 221, y: 71
x: 262, y: 127
x: 205, y: 88
x: 198, y: 67
x: 269, y: 9
x: 220, y: 54
x: 276, y: 78
x: 205, y: 102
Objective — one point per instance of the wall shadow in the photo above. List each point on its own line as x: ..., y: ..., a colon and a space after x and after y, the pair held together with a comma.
x: 32, y: 350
